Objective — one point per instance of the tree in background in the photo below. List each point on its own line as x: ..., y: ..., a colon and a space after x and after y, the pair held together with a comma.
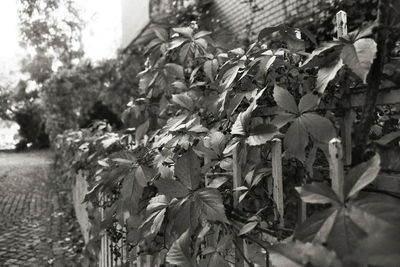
x: 51, y: 36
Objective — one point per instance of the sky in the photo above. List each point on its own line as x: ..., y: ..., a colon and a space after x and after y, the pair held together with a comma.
x: 101, y: 37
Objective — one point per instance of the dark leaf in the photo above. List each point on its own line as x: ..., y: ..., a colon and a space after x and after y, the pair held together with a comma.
x: 296, y: 140
x: 171, y: 188
x: 187, y: 169
x: 179, y: 253
x: 210, y: 201
x: 285, y: 100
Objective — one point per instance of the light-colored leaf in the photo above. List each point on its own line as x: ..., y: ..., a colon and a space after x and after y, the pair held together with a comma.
x: 217, y: 182
x: 326, y: 74
x: 365, y: 173
x: 261, y: 134
x: 248, y: 227
x: 359, y: 56
x: 183, y: 100
x: 317, y: 193
x: 229, y: 76
x: 185, y: 31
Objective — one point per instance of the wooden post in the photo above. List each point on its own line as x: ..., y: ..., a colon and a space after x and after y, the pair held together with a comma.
x: 346, y: 122
x: 277, y: 177
x: 237, y: 181
x: 336, y: 171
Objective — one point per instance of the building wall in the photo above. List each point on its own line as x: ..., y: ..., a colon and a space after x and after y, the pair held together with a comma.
x: 235, y: 14
x: 135, y: 16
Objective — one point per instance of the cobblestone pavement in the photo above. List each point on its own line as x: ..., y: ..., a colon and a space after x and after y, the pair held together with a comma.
x: 32, y: 231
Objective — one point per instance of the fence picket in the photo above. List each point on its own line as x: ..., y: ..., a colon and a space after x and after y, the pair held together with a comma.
x: 336, y: 170
x: 346, y: 122
x: 277, y: 177
x: 237, y: 181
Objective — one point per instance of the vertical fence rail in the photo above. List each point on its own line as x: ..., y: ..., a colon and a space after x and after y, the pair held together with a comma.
x: 336, y: 170
x: 347, y: 121
x: 277, y: 179
x: 237, y: 181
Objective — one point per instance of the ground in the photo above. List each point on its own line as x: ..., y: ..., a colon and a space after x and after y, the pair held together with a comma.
x: 36, y: 219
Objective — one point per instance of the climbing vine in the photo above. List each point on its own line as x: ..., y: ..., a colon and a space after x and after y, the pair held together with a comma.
x: 168, y: 178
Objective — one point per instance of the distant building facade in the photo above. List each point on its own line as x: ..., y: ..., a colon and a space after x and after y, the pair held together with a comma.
x: 234, y: 14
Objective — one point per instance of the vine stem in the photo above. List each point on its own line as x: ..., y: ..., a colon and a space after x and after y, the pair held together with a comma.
x: 374, y: 81
x: 238, y: 249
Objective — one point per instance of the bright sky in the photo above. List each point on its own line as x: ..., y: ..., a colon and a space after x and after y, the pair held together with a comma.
x: 9, y: 47
x: 102, y: 36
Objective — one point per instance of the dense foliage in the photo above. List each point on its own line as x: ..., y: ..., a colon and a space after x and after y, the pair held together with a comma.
x: 168, y: 178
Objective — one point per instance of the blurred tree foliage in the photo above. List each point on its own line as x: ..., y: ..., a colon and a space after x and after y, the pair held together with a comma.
x: 51, y: 36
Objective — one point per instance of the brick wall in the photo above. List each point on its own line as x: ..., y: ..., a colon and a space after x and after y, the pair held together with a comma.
x: 235, y: 15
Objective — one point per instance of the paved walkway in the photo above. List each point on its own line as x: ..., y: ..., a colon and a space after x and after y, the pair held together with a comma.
x: 33, y: 231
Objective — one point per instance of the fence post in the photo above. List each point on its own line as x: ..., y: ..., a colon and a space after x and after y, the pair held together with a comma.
x: 341, y: 23
x: 346, y: 122
x: 237, y: 181
x: 336, y: 170
x: 277, y: 179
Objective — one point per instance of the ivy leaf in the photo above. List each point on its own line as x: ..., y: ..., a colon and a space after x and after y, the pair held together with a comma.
x: 241, y: 125
x: 210, y: 201
x: 380, y: 248
x: 335, y: 227
x: 361, y: 175
x: 187, y: 169
x: 285, y: 100
x: 298, y: 254
x: 248, y: 227
x: 175, y: 70
x: 183, y: 100
x: 359, y: 56
x: 217, y: 182
x: 177, y: 42
x: 171, y: 188
x: 373, y: 212
x: 296, y: 140
x: 210, y: 68
x: 261, y: 134
x: 308, y: 103
x: 317, y: 193
x: 267, y: 31
x: 326, y: 74
x: 321, y: 129
x: 201, y: 34
x: 218, y: 260
x: 229, y: 76
x: 185, y: 51
x: 131, y: 192
x: 218, y: 142
x: 179, y: 253
x: 185, y: 31
x: 141, y: 131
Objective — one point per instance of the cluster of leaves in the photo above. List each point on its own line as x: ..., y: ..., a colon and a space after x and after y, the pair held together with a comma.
x: 71, y: 95
x: 200, y: 110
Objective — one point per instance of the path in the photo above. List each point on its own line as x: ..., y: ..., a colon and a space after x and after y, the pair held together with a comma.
x: 33, y: 231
